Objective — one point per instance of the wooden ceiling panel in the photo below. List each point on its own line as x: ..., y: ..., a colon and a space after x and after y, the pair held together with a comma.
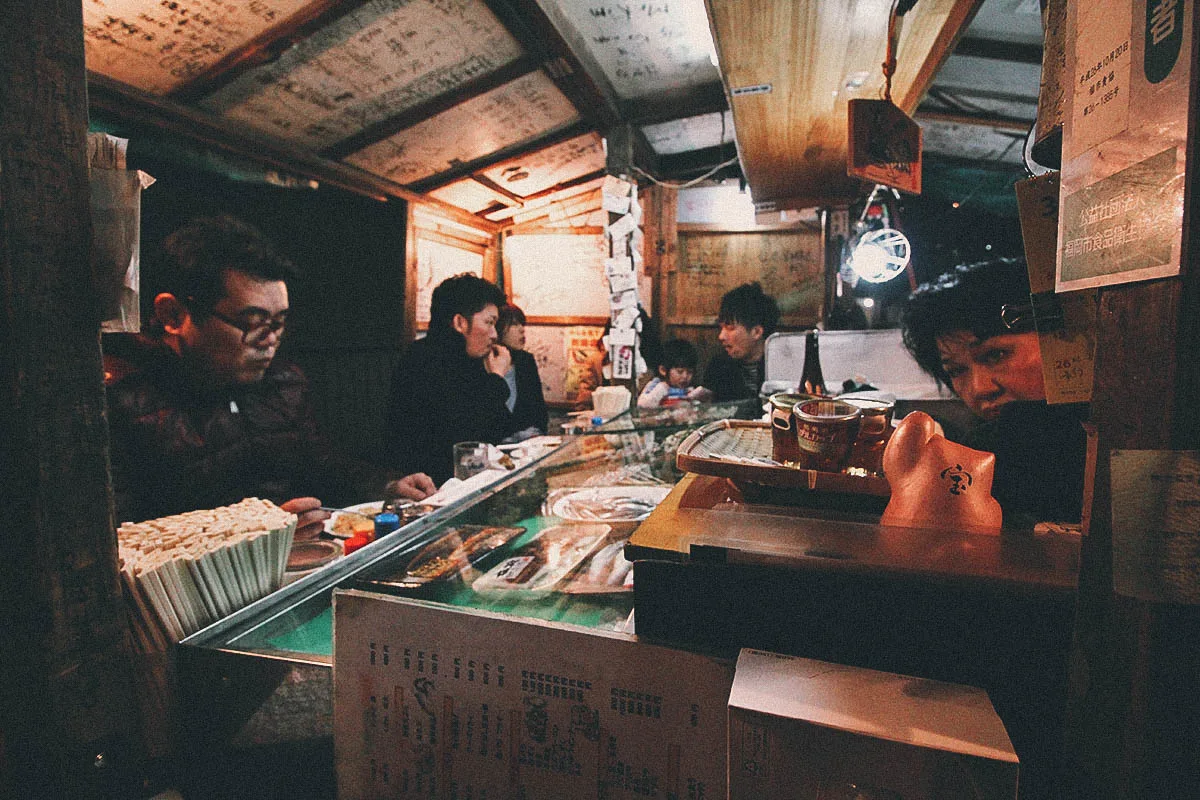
x: 693, y: 133
x: 517, y: 112
x: 547, y: 199
x: 645, y: 48
x: 544, y: 169
x: 472, y: 196
x: 372, y: 63
x: 815, y: 57
x: 156, y: 46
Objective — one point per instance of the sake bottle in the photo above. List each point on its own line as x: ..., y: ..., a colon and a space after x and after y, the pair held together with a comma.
x: 811, y: 379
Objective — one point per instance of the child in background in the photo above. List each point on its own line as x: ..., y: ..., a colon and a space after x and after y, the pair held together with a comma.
x: 673, y: 384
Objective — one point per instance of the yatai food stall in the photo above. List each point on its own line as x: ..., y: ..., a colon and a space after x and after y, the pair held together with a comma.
x: 247, y: 95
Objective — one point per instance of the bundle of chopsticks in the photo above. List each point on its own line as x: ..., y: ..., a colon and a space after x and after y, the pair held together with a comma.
x: 187, y: 571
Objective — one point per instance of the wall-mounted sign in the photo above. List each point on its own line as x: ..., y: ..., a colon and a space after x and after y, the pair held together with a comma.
x: 1156, y: 519
x: 1124, y: 142
x: 885, y: 145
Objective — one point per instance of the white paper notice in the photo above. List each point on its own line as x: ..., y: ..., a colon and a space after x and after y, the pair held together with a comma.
x: 622, y: 336
x: 615, y: 187
x: 1100, y: 73
x: 622, y: 227
x: 617, y: 205
x: 625, y: 299
x: 622, y: 282
x: 617, y: 266
x: 1156, y: 525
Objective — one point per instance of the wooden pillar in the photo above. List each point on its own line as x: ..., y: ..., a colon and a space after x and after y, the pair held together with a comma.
x: 67, y: 724
x: 1134, y: 704
x: 662, y: 243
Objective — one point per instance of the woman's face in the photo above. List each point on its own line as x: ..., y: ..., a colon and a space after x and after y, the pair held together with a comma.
x: 514, y: 336
x: 988, y: 373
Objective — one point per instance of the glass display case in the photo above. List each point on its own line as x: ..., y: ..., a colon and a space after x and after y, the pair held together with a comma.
x: 262, y: 675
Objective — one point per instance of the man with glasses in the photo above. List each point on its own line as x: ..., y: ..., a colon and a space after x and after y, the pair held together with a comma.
x: 201, y: 412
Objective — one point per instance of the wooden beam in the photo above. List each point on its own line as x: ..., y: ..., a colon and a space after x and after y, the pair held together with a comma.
x: 564, y: 186
x: 999, y: 51
x: 536, y: 230
x: 724, y: 227
x: 433, y: 106
x: 484, y: 180
x: 540, y: 28
x: 694, y: 162
x: 451, y: 241
x: 537, y: 33
x: 679, y: 104
x: 915, y: 73
x: 564, y: 191
x: 567, y: 320
x: 549, y: 139
x: 981, y: 120
x: 265, y: 48
x: 579, y: 204
x: 132, y: 104
x: 69, y: 721
x: 410, y: 276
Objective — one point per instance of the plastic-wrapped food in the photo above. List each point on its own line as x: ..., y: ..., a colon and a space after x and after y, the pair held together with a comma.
x: 538, y: 567
x: 454, y: 553
x: 605, y: 572
x: 605, y: 503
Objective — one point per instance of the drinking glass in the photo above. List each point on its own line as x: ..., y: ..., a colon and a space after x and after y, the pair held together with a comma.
x: 470, y: 458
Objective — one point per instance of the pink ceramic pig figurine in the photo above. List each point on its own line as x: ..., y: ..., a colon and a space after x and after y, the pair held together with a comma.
x: 937, y: 483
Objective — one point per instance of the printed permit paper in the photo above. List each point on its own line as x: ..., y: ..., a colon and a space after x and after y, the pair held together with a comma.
x: 1100, y: 73
x: 1156, y: 525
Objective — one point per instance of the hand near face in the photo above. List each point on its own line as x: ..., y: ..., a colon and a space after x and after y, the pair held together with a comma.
x: 498, y: 360
x: 417, y: 486
x: 310, y: 519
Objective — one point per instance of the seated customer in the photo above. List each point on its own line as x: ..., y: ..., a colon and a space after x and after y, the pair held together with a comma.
x: 202, y: 413
x: 449, y: 387
x: 747, y: 317
x: 673, y: 383
x: 525, y: 399
x: 953, y: 328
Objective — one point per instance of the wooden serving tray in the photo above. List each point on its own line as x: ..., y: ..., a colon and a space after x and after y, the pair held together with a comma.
x: 708, y: 449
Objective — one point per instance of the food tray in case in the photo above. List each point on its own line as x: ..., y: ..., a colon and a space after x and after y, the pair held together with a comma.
x: 741, y: 451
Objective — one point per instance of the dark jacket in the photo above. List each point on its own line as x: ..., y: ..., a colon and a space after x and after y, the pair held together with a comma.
x: 530, y: 408
x: 725, y: 377
x: 180, y: 444
x: 1040, y: 455
x: 441, y: 396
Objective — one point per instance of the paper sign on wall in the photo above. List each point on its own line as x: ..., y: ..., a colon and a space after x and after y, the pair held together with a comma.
x: 1156, y: 525
x: 1125, y: 134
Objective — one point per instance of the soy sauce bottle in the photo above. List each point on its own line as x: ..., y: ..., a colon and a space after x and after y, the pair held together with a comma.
x: 811, y: 379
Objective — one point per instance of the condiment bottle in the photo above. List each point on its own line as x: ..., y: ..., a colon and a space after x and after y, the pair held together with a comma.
x: 811, y: 380
x: 385, y: 523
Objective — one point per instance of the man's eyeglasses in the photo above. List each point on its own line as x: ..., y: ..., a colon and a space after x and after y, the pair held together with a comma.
x: 256, y: 328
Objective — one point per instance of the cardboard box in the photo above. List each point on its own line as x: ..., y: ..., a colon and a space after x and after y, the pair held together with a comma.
x: 811, y: 730
x: 433, y: 701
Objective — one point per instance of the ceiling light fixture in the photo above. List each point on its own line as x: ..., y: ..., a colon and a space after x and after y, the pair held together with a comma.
x: 878, y: 251
x: 880, y: 255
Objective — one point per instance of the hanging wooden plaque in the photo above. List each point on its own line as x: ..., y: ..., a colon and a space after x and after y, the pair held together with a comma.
x: 885, y: 145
